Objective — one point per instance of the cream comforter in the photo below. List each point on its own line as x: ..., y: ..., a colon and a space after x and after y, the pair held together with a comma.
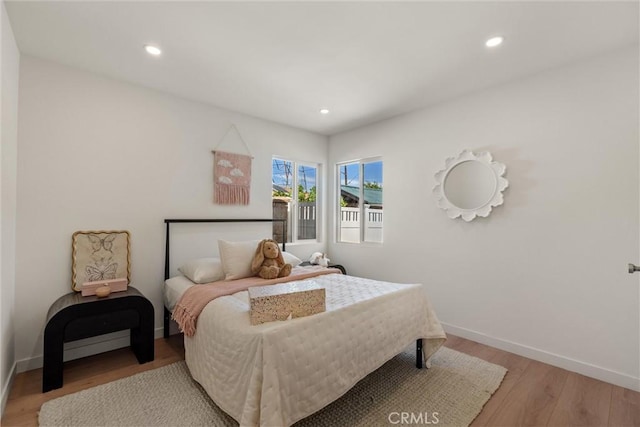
x: 277, y: 373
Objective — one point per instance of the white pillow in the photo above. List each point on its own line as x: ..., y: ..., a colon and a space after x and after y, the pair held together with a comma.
x: 291, y: 259
x: 203, y: 270
x: 236, y: 258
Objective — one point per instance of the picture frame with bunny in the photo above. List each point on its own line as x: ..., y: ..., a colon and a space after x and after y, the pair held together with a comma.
x: 100, y: 255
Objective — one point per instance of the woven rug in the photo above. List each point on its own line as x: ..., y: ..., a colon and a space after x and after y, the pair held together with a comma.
x: 452, y: 392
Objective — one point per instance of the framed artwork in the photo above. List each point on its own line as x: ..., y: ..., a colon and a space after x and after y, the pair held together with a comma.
x: 100, y: 255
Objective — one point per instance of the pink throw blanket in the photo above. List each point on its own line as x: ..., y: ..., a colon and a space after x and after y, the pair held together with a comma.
x: 195, y: 299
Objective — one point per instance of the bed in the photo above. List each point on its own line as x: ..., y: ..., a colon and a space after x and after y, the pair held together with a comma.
x: 277, y: 373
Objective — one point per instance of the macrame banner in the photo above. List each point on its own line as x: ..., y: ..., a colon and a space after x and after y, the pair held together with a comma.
x: 232, y: 178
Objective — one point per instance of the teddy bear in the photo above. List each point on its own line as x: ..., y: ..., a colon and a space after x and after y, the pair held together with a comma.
x: 268, y: 261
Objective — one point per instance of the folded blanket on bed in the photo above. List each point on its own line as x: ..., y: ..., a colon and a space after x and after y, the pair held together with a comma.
x: 196, y: 298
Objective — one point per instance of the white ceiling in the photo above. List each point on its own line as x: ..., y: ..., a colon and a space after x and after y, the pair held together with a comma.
x: 285, y: 61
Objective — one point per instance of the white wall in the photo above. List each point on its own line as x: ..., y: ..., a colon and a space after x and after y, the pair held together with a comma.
x: 545, y: 274
x: 8, y: 155
x: 97, y: 154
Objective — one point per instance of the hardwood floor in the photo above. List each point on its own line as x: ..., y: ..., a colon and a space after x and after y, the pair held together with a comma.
x: 532, y: 393
x: 26, y: 397
x: 537, y: 394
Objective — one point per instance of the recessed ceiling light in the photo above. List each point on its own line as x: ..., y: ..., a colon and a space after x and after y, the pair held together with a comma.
x: 324, y: 111
x: 152, y: 50
x: 494, y: 41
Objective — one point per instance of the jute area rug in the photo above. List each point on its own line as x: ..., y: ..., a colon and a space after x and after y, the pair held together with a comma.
x: 452, y: 392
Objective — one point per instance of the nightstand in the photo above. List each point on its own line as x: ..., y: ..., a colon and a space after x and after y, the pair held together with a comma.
x: 73, y: 317
x: 338, y: 266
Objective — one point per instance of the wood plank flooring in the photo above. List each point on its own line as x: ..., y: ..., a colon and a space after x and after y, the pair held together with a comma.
x: 26, y: 397
x: 532, y: 393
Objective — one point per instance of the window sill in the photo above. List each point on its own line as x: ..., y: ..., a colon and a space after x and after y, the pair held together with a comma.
x: 364, y: 244
x: 304, y: 243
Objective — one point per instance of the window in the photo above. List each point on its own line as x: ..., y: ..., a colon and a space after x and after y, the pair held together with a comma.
x: 360, y: 201
x: 294, y: 198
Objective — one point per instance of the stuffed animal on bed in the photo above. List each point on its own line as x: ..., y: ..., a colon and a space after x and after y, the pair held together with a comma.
x: 268, y: 261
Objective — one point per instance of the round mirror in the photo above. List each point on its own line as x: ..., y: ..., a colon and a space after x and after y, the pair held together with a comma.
x: 470, y: 185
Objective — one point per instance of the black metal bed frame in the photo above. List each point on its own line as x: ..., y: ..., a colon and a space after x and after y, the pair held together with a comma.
x: 168, y: 222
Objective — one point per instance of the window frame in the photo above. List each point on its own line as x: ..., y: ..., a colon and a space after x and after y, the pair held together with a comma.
x: 294, y: 204
x: 361, y: 205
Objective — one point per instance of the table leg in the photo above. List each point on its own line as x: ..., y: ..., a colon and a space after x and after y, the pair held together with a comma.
x: 52, y: 361
x: 142, y: 336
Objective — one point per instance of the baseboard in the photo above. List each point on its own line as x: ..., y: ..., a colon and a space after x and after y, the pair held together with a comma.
x: 587, y: 369
x: 84, y: 348
x: 6, y: 388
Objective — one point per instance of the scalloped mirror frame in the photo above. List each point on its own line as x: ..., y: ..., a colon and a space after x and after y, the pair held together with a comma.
x: 484, y: 210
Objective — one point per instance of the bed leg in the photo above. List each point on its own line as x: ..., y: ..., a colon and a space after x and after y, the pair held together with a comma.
x: 419, y: 355
x: 167, y: 322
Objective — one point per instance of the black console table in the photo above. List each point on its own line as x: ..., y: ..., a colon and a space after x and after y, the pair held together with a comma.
x: 73, y: 317
x: 338, y: 266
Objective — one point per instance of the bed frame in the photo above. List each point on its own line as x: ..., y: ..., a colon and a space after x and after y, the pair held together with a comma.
x: 168, y: 222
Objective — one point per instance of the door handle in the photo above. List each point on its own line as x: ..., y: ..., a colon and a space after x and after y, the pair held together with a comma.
x: 633, y: 268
